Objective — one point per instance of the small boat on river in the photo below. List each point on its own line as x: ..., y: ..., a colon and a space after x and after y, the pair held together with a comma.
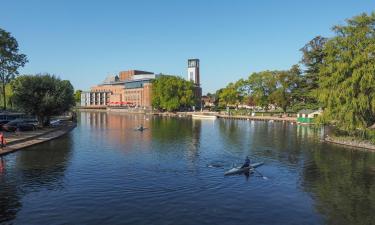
x: 239, y: 170
x: 204, y: 116
x: 141, y: 128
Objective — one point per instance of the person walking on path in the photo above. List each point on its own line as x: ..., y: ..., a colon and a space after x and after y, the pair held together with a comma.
x: 2, y: 140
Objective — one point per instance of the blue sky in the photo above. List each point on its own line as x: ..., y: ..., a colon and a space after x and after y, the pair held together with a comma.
x: 84, y: 41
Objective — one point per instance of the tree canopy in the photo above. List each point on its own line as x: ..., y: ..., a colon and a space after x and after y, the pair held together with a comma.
x: 77, y: 96
x: 172, y: 93
x: 42, y: 95
x: 347, y: 74
x: 10, y: 60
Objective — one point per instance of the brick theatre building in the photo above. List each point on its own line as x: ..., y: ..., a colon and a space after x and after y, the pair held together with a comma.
x: 132, y: 88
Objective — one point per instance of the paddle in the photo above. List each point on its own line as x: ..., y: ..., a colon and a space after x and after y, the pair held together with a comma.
x: 265, y: 178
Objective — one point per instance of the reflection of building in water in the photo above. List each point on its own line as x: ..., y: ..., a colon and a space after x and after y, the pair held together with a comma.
x: 195, y: 139
x: 119, y: 129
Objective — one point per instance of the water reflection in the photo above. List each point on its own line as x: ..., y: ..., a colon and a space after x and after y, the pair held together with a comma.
x: 174, y: 171
x: 37, y: 168
x: 343, y: 184
x: 116, y: 131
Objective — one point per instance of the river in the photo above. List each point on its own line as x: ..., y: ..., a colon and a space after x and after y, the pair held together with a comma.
x: 104, y: 172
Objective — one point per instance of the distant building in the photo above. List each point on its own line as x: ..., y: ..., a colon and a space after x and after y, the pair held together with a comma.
x: 193, y: 71
x: 308, y: 116
x: 129, y: 88
x: 133, y: 88
x: 194, y: 76
x: 208, y: 101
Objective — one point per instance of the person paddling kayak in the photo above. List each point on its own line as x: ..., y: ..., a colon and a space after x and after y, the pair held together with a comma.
x: 247, y: 162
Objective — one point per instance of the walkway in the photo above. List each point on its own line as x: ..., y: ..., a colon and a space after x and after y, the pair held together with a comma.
x: 25, y: 139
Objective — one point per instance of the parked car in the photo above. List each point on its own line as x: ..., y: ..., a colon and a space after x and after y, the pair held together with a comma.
x: 23, y: 125
x: 55, y: 123
x: 2, y: 122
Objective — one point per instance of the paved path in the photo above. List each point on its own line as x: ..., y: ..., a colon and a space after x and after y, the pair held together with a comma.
x: 25, y: 139
x: 274, y: 118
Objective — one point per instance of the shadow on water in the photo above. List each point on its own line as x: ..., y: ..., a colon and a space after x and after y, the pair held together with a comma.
x: 34, y: 169
x: 342, y: 182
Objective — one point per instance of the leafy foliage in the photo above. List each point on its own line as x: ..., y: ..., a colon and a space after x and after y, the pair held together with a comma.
x: 312, y: 58
x: 42, y: 95
x: 10, y: 61
x: 263, y: 89
x: 347, y: 75
x: 77, y: 96
x: 172, y: 93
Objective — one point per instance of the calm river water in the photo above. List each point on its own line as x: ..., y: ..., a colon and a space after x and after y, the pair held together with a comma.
x: 104, y: 172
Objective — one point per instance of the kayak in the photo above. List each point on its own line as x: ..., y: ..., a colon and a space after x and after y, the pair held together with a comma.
x: 239, y: 170
x: 140, y: 129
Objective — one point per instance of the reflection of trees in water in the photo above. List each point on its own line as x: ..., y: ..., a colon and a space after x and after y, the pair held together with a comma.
x: 235, y: 136
x: 34, y: 169
x: 343, y: 185
x: 183, y: 131
x: 9, y: 199
x: 265, y: 139
x: 282, y: 141
x: 171, y: 129
x: 44, y: 165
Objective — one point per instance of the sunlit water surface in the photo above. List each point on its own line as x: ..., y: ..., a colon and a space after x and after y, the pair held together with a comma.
x: 104, y: 172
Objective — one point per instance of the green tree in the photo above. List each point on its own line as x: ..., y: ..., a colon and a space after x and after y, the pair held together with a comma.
x: 283, y: 95
x: 42, y: 95
x: 77, y: 96
x: 346, y: 77
x: 229, y: 96
x: 262, y: 85
x: 8, y: 96
x: 10, y: 61
x: 172, y: 93
x: 312, y: 59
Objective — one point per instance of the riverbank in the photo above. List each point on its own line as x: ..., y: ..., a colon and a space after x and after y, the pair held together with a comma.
x: 189, y: 114
x: 351, y: 142
x: 18, y: 141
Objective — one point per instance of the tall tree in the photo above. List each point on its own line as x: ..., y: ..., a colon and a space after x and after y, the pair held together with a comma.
x: 42, y: 95
x: 286, y: 84
x: 262, y: 84
x: 312, y: 59
x: 10, y: 61
x: 347, y: 75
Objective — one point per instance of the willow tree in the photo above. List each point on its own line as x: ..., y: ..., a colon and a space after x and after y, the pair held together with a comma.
x: 347, y: 75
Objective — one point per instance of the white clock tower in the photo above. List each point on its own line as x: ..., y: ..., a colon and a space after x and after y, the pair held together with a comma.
x: 193, y: 71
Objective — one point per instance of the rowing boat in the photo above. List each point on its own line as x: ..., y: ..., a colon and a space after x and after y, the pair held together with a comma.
x: 239, y: 170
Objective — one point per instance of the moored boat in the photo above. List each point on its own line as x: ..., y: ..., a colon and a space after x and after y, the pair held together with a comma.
x: 203, y: 116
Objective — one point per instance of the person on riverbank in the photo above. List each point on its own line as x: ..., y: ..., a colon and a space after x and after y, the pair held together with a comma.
x: 2, y: 140
x: 246, y: 163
